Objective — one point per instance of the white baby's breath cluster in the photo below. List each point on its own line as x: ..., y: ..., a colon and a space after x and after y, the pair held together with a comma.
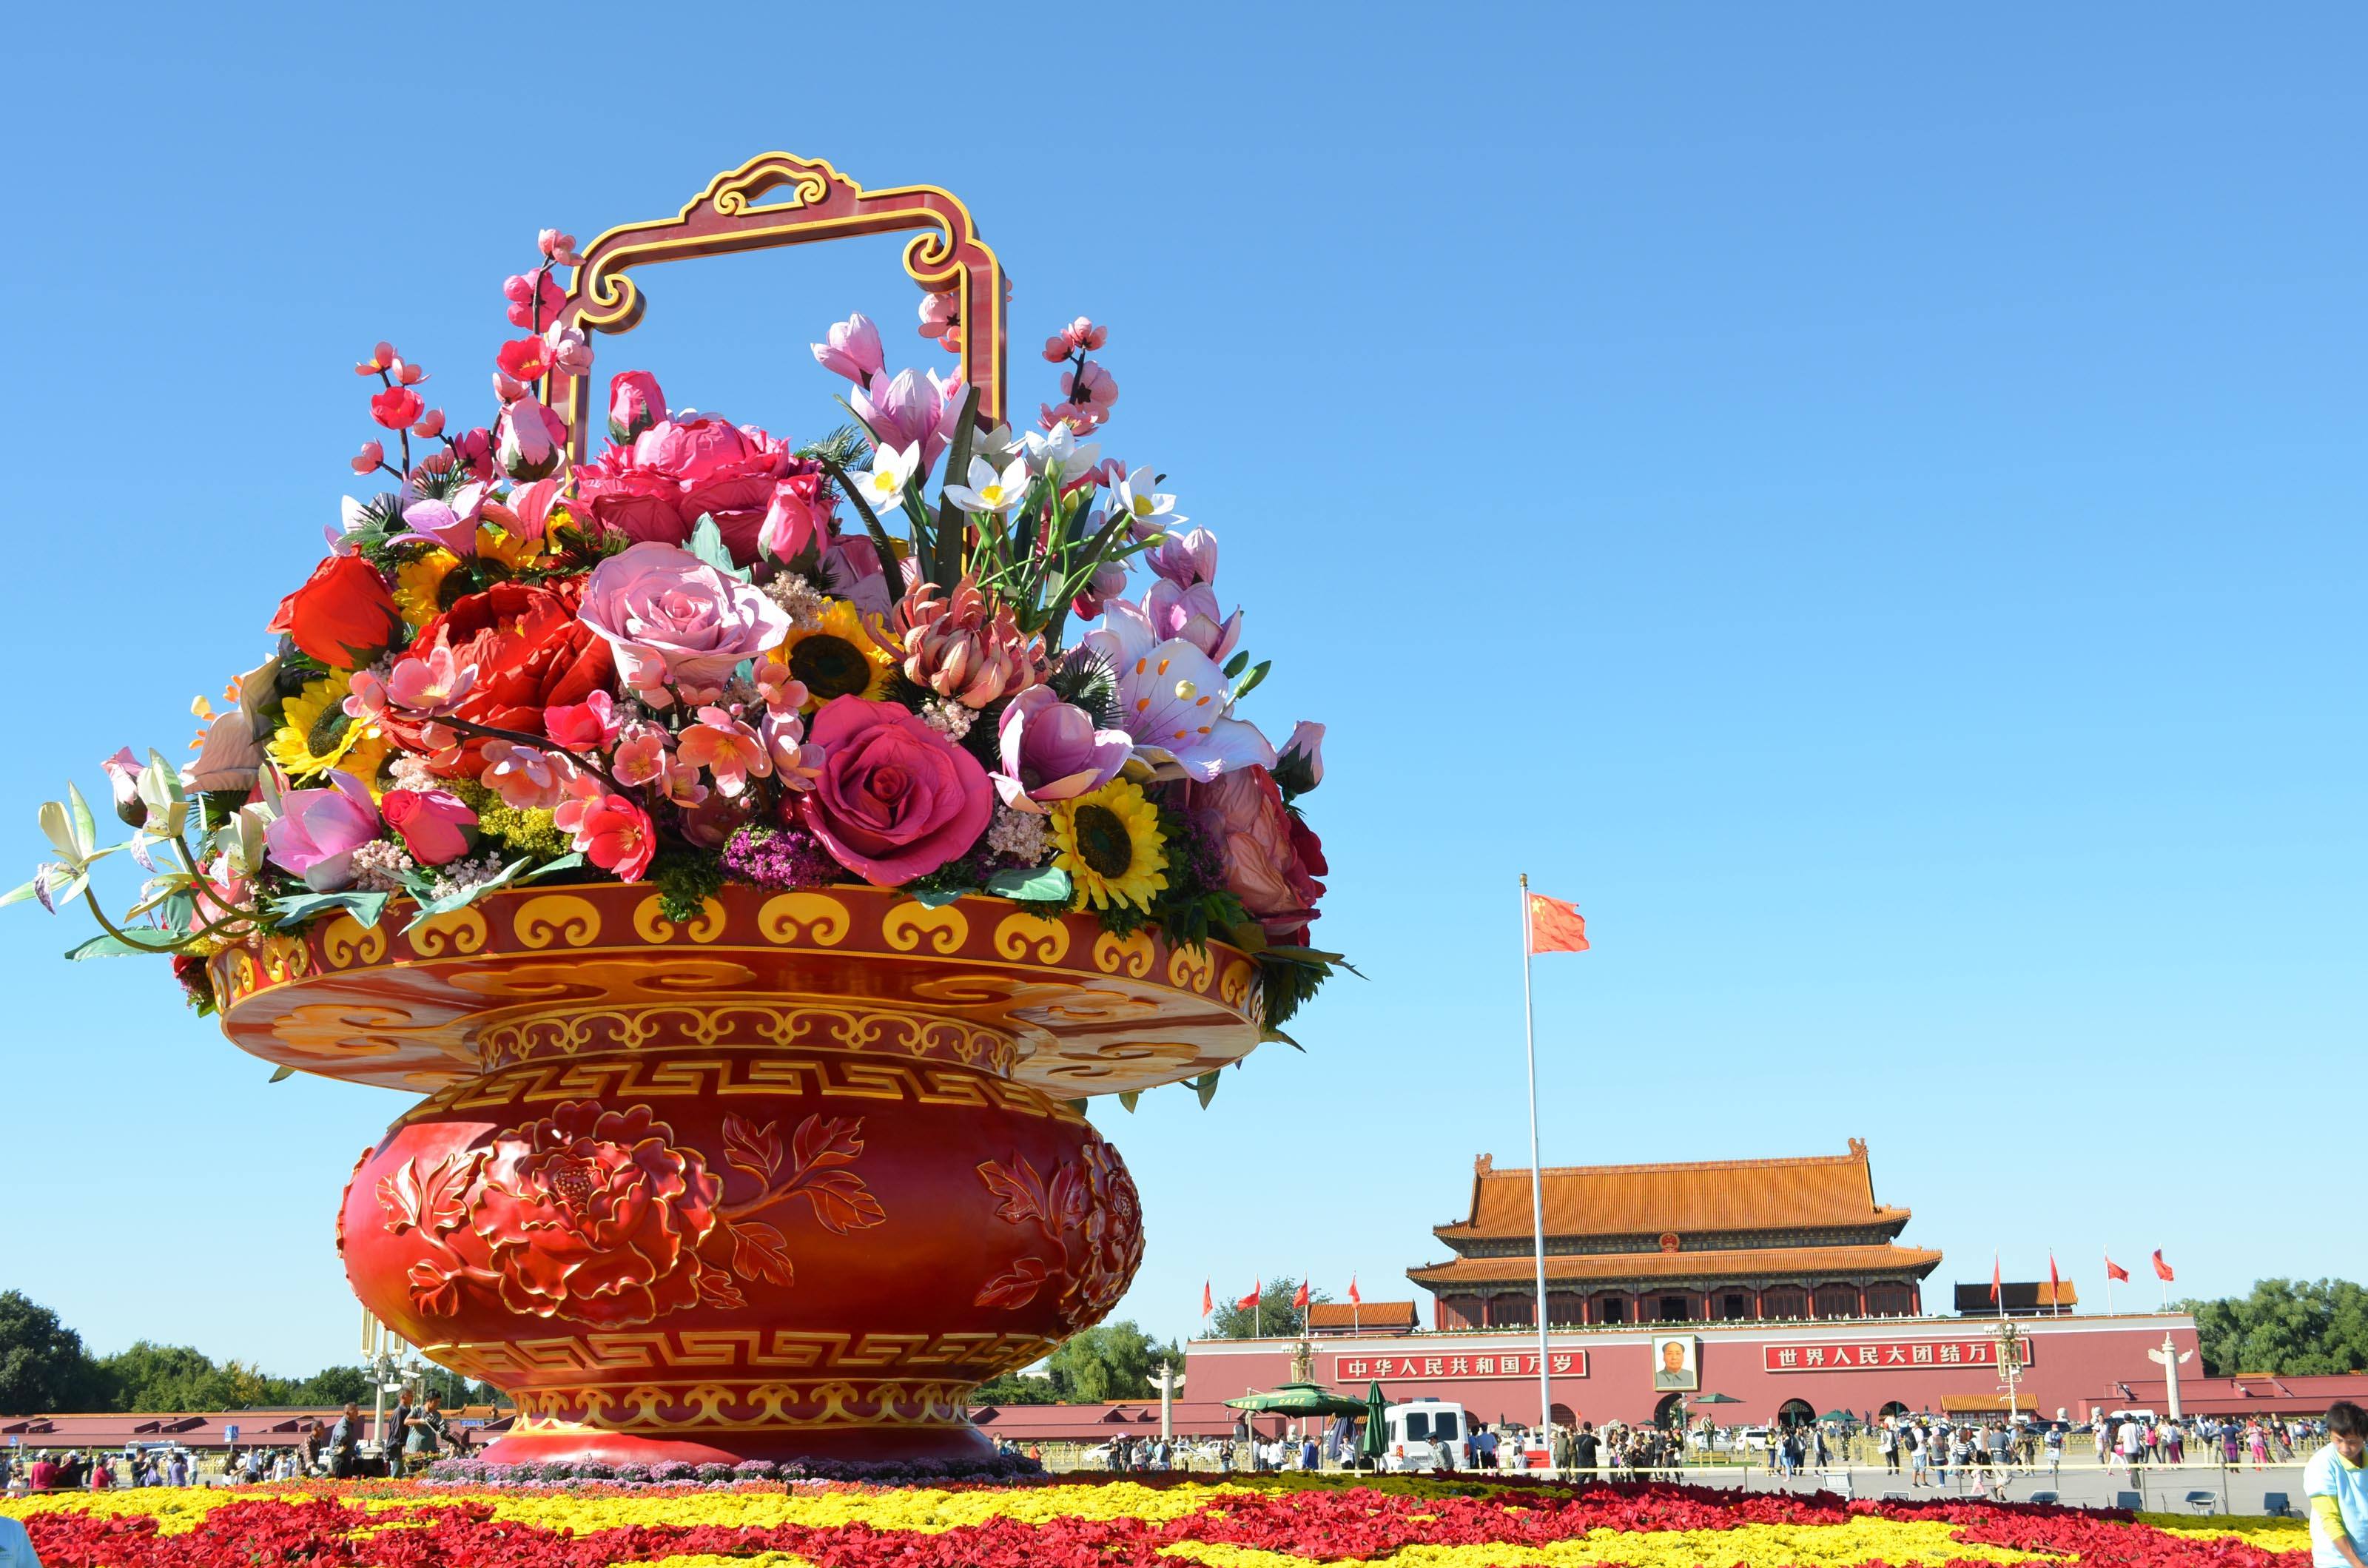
x: 798, y: 599
x: 408, y: 770
x: 947, y: 716
x: 460, y: 876
x: 1018, y: 834
x: 380, y: 864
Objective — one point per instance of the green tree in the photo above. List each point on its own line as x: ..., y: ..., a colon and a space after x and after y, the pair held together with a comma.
x: 1113, y: 1361
x: 43, y: 1366
x: 1017, y: 1388
x: 1275, y: 1317
x: 333, y: 1385
x: 2284, y: 1325
x: 150, y: 1376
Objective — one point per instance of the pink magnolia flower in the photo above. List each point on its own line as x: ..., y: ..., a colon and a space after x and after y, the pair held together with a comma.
x: 317, y: 831
x: 569, y: 350
x: 1051, y: 751
x: 1185, y: 560
x: 526, y: 778
x: 1192, y: 614
x: 615, y: 835
x: 852, y: 570
x: 909, y: 408
x: 894, y: 799
x: 367, y: 459
x: 586, y: 726
x: 535, y: 299
x: 730, y: 750
x: 453, y: 524
x: 433, y: 824
x: 1174, y: 700
x: 525, y: 513
x: 1108, y: 583
x: 397, y: 407
x: 635, y: 404
x: 1306, y: 744
x: 853, y: 350
x: 530, y: 441
x: 674, y: 620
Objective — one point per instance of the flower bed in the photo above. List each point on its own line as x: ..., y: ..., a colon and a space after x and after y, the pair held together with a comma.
x: 1265, y: 1522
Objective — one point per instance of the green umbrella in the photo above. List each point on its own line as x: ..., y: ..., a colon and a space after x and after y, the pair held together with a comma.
x: 1299, y: 1399
x: 1842, y: 1416
x: 1375, y: 1445
x: 1713, y: 1399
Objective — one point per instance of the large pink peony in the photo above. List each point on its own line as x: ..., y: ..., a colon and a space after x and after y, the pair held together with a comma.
x: 656, y: 489
x: 894, y: 799
x: 1271, y: 859
x: 675, y: 620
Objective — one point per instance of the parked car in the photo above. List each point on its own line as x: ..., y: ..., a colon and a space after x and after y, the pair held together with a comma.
x: 1421, y: 1432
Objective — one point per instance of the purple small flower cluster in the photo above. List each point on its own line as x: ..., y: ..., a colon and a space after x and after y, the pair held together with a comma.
x: 780, y: 858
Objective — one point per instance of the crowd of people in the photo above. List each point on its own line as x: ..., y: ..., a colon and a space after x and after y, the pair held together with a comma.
x: 416, y: 1433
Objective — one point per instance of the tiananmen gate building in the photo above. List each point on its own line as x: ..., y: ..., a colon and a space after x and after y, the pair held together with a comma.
x: 1781, y: 1283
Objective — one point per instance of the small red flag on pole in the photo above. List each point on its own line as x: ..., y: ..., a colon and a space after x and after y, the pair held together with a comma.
x: 1299, y: 1297
x: 1250, y: 1300
x: 2114, y: 1270
x: 1208, y: 1301
x: 2162, y: 1269
x: 1996, y: 1280
x: 1556, y: 926
x: 1354, y: 1299
x: 2055, y: 1284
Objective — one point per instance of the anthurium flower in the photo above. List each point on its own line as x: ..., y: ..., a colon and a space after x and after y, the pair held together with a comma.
x: 1173, y: 699
x: 990, y: 490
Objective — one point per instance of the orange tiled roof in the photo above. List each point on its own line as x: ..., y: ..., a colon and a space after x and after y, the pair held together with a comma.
x: 1372, y: 1315
x: 1822, y: 1190
x: 1712, y: 1267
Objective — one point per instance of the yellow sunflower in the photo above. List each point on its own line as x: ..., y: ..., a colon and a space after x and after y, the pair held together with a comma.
x: 316, y: 735
x: 495, y: 543
x: 419, y: 585
x: 836, y: 657
x: 1112, y: 846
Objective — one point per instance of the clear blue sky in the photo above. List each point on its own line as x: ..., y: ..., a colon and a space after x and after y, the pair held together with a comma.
x: 1868, y: 502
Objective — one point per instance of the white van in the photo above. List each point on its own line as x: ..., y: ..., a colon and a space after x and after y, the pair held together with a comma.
x: 1421, y: 1431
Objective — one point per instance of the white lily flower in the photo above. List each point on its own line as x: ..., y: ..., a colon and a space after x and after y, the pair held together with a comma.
x: 1058, y: 450
x: 990, y: 490
x: 1147, y: 508
x: 882, y: 484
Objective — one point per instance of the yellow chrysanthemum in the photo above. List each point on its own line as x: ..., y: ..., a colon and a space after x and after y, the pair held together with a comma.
x: 836, y: 657
x: 316, y: 735
x: 419, y: 585
x: 1112, y: 846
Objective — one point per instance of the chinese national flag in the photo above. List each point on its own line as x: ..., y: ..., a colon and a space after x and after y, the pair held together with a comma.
x: 1354, y: 1299
x: 1207, y: 1302
x: 1299, y: 1297
x: 2162, y: 1269
x: 1996, y: 1280
x: 2054, y: 1286
x: 1246, y: 1302
x: 1556, y: 926
x: 2114, y: 1270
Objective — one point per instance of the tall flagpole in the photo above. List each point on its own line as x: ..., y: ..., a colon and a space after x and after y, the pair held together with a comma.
x: 1537, y: 1177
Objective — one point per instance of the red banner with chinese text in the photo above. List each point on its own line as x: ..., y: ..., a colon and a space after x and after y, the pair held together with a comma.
x: 1881, y: 1355
x: 1500, y: 1364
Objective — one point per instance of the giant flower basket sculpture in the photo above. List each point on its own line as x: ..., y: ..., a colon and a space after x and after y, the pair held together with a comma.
x: 756, y: 852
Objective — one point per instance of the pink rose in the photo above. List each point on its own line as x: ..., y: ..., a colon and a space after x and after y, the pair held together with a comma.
x: 529, y: 439
x: 432, y: 822
x: 894, y: 798
x: 635, y: 403
x: 317, y: 831
x: 677, y: 470
x: 798, y: 518
x: 672, y: 620
x: 634, y: 504
x: 1271, y: 859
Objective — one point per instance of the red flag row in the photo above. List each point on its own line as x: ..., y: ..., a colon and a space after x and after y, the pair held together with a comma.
x: 2054, y: 1282
x: 1299, y: 1299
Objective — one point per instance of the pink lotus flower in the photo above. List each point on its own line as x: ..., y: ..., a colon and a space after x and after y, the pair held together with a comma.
x: 397, y: 407
x: 1306, y: 744
x: 730, y: 750
x: 433, y: 824
x: 453, y: 524
x: 367, y: 459
x: 894, y: 799
x: 317, y: 831
x: 656, y: 490
x: 530, y: 441
x: 853, y: 350
x: 535, y: 300
x: 634, y: 405
x: 675, y: 620
x: 1174, y: 700
x: 525, y: 513
x: 584, y: 726
x: 615, y: 836
x: 1051, y: 751
x: 909, y: 409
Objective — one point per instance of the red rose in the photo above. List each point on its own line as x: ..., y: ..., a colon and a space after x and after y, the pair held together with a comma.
x: 593, y: 1216
x: 530, y: 651
x: 343, y: 615
x: 1271, y: 859
x: 895, y: 800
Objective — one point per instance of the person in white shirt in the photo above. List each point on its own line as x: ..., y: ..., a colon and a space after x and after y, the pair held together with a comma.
x: 15, y: 1546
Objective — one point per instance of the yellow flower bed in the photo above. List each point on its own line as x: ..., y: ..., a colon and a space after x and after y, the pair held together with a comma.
x: 1796, y: 1546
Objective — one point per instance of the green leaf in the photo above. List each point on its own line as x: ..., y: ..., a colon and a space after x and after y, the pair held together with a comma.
x: 1238, y: 662
x: 1078, y: 1106
x: 550, y: 868
x: 280, y: 1072
x: 707, y: 543
x: 431, y: 908
x: 109, y: 947
x: 16, y: 895
x: 1205, y: 1086
x: 365, y: 907
x: 937, y: 898
x: 1267, y: 1034
x: 1128, y: 1097
x: 1037, y: 884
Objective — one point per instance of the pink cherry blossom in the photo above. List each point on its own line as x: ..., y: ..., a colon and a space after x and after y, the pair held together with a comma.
x: 526, y: 778
x: 367, y: 459
x: 559, y: 246
x: 534, y: 300
x: 584, y: 725
x: 730, y: 750
x: 569, y: 349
